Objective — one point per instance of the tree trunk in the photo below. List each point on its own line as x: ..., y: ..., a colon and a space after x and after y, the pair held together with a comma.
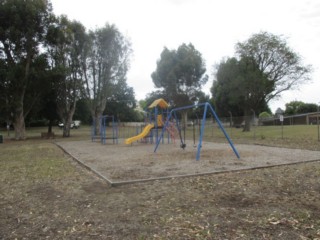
x: 66, y: 130
x: 19, y: 125
x: 247, y: 121
x: 50, y: 126
x: 97, y: 123
x: 65, y: 112
x: 67, y: 126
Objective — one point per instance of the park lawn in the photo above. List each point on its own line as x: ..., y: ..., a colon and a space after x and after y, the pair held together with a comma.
x: 45, y: 194
x: 294, y: 136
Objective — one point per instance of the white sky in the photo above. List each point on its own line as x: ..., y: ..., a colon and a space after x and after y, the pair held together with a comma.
x: 212, y: 26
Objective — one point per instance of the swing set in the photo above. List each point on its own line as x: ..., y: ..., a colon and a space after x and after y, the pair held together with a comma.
x: 207, y: 107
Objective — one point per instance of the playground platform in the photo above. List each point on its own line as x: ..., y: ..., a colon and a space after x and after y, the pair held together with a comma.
x: 121, y: 164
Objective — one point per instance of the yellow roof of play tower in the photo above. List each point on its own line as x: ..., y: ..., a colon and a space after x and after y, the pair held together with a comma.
x: 159, y: 102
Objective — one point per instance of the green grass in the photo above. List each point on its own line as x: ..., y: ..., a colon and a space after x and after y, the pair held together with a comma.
x: 307, y: 135
x: 262, y: 132
x: 32, y: 161
x: 295, y: 136
x: 83, y: 132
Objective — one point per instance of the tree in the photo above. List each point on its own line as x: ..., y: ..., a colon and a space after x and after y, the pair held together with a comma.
x: 45, y: 98
x: 66, y: 42
x: 180, y: 74
x: 265, y: 67
x: 280, y: 65
x: 240, y: 88
x: 197, y: 113
x: 143, y: 104
x: 82, y: 111
x: 23, y: 25
x: 122, y: 104
x: 265, y: 115
x: 298, y: 107
x: 105, y: 68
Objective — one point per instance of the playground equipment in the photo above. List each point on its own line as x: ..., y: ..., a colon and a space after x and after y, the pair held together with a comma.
x: 143, y: 134
x: 103, y: 135
x: 183, y: 145
x: 158, y: 111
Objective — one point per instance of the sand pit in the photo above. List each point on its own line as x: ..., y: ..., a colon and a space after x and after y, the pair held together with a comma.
x: 119, y: 163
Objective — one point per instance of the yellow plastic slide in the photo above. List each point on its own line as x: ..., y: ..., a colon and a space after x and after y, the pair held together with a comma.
x: 144, y: 133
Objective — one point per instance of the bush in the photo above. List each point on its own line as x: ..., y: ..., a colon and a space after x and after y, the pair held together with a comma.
x: 265, y: 115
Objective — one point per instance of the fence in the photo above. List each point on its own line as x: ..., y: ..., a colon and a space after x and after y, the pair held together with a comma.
x: 304, y: 126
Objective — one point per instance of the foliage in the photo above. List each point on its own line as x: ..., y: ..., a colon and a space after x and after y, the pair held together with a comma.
x: 297, y: 107
x: 23, y: 25
x: 142, y: 103
x: 48, y: 63
x: 122, y: 105
x: 197, y: 113
x: 83, y: 112
x: 265, y: 67
x: 239, y: 87
x: 265, y: 115
x: 66, y: 42
x: 280, y: 65
x: 180, y: 75
x: 105, y: 67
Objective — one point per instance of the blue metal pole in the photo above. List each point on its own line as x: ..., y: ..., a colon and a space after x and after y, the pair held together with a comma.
x: 162, y: 132
x: 202, y: 131
x: 173, y: 111
x: 224, y: 132
x: 113, y: 132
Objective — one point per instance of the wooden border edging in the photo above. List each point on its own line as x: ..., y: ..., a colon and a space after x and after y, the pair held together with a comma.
x: 115, y: 184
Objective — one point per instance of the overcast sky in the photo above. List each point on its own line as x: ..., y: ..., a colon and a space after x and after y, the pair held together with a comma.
x: 212, y: 26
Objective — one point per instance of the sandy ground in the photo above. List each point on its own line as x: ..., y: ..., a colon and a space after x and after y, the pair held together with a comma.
x: 122, y: 163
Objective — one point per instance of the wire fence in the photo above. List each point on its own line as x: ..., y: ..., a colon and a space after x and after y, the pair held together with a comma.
x: 304, y: 126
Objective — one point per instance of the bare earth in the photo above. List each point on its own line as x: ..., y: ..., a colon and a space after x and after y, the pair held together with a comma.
x: 121, y: 163
x: 45, y: 194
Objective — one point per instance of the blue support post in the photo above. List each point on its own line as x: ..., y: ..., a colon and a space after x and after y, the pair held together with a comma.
x: 201, y: 132
x: 162, y: 132
x: 103, y: 129
x: 224, y: 131
x: 206, y: 105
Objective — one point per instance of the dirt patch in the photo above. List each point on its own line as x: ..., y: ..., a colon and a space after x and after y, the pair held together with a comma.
x: 46, y: 195
x: 120, y: 162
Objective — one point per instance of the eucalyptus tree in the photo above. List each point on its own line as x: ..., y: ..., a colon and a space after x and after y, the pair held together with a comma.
x: 264, y: 67
x: 66, y: 43
x: 23, y: 26
x: 122, y: 104
x: 105, y: 66
x: 240, y: 88
x: 180, y: 74
x: 282, y: 66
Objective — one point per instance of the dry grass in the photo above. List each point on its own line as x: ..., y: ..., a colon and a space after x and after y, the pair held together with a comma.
x: 45, y: 195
